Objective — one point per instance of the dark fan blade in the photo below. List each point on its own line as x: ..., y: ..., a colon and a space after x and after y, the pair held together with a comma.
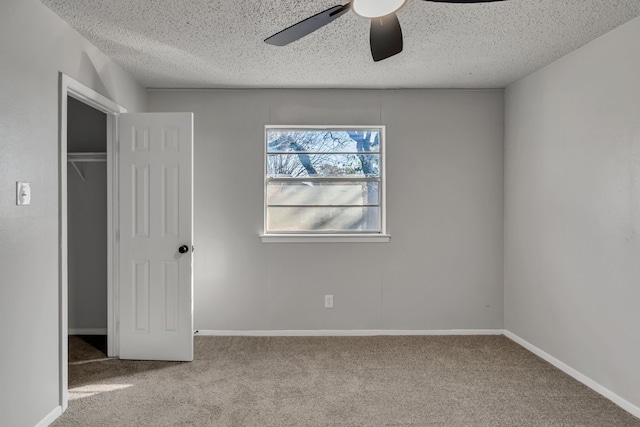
x: 385, y: 37
x: 308, y: 26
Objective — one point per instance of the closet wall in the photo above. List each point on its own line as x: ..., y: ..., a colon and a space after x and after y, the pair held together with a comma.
x: 87, y: 210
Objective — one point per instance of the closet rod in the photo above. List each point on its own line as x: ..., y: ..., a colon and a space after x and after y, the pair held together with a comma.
x: 74, y: 158
x: 86, y: 157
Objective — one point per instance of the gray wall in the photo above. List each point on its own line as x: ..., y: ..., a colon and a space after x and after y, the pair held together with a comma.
x: 35, y: 45
x: 572, y: 242
x: 87, y: 220
x: 443, y: 266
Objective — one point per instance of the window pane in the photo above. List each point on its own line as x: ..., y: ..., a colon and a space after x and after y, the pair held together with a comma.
x: 325, y: 219
x: 349, y: 141
x: 323, y: 165
x: 323, y: 193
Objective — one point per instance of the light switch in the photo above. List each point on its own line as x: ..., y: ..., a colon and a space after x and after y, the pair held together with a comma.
x: 23, y: 193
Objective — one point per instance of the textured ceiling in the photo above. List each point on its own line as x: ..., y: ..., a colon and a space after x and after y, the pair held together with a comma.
x: 218, y: 43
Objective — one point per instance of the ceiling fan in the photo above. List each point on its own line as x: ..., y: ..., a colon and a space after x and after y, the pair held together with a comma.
x: 385, y: 35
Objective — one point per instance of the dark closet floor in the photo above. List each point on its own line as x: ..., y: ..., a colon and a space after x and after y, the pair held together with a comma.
x: 87, y: 347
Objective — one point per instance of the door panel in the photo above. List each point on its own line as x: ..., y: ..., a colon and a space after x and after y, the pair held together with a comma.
x: 156, y: 218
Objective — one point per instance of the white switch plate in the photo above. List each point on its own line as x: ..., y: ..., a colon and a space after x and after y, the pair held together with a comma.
x: 23, y: 193
x: 328, y: 301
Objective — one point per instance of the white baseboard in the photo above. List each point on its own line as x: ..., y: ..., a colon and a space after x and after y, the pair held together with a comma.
x: 346, y: 333
x: 624, y: 404
x: 51, y: 417
x: 88, y: 331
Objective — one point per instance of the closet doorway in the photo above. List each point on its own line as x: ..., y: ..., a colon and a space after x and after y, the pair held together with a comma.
x: 87, y: 230
x: 102, y: 110
x: 160, y: 142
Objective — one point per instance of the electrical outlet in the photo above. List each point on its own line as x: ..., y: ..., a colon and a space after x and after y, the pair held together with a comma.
x: 328, y: 301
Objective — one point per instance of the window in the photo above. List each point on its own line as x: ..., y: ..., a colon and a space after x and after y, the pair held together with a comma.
x: 324, y: 182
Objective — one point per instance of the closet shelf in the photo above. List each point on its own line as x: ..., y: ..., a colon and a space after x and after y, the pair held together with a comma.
x: 86, y: 157
x: 75, y: 158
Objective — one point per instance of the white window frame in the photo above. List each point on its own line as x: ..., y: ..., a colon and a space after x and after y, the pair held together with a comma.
x: 361, y: 237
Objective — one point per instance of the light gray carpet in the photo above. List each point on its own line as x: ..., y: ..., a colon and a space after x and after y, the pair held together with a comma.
x: 338, y: 381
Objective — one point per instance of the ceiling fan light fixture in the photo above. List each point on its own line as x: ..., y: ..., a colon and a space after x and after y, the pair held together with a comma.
x: 376, y: 8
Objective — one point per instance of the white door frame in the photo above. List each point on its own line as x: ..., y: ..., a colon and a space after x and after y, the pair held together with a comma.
x: 86, y: 95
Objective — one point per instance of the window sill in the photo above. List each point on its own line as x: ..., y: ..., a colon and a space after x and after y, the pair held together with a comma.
x: 325, y: 238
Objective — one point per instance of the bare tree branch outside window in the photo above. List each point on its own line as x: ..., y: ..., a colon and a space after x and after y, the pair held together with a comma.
x: 322, y: 180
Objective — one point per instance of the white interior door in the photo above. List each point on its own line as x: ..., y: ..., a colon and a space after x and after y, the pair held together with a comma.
x: 156, y: 231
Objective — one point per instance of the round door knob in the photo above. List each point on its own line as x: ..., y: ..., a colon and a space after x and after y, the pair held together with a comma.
x: 183, y: 249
